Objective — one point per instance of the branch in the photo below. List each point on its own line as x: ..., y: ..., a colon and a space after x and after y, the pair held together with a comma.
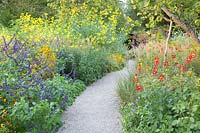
x: 166, y: 19
x: 189, y: 31
x: 167, y: 41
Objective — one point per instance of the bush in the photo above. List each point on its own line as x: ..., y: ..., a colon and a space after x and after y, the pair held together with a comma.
x: 88, y: 63
x: 68, y: 60
x: 92, y: 66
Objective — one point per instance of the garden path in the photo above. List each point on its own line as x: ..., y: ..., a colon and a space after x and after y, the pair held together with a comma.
x: 96, y: 110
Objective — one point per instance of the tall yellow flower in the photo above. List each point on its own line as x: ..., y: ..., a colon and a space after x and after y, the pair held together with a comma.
x: 2, y: 125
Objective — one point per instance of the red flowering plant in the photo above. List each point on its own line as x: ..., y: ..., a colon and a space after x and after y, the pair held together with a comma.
x: 158, y: 70
x: 164, y: 87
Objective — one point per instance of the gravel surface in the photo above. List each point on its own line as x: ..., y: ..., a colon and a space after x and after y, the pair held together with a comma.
x: 96, y: 110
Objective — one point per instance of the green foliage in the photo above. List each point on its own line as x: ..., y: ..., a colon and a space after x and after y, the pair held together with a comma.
x: 148, y: 13
x: 162, y: 96
x: 164, y: 110
x: 39, y: 115
x: 196, y: 63
x: 40, y: 109
x: 92, y: 66
x: 29, y: 101
x: 89, y: 63
x: 10, y: 10
x: 96, y: 22
x: 61, y: 86
x: 126, y: 92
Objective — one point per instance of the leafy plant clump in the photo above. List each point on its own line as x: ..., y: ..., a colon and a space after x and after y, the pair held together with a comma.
x: 88, y: 63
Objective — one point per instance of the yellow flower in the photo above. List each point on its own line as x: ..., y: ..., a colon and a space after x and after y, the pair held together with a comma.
x: 2, y: 117
x: 198, y: 81
x: 33, y: 70
x: 118, y: 58
x: 4, y: 111
x: 5, y: 100
x: 0, y: 96
x: 189, y: 73
x: 2, y: 125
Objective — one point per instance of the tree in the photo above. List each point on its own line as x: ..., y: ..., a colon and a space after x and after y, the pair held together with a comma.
x: 12, y: 9
x: 150, y: 13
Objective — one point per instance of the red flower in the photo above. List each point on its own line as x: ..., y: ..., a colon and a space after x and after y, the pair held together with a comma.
x: 193, y: 54
x: 154, y: 71
x: 182, y: 67
x: 156, y: 60
x: 161, y: 77
x: 188, y: 60
x: 166, y: 63
x: 138, y: 88
x: 173, y: 56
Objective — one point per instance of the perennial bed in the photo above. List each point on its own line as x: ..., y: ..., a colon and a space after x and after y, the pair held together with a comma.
x: 163, y: 96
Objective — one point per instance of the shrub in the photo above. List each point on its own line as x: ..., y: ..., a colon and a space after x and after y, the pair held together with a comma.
x: 88, y: 63
x: 92, y: 66
x: 68, y: 60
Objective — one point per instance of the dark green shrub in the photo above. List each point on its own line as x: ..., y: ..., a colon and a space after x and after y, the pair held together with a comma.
x: 89, y: 64
x: 68, y: 59
x: 92, y: 66
x: 10, y: 10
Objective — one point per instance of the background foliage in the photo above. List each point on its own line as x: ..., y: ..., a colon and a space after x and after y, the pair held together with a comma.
x: 148, y: 13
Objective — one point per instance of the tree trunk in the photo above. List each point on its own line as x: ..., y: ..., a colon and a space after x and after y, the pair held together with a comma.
x: 189, y: 31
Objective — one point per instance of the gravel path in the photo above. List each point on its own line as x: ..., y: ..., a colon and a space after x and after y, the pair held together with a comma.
x: 96, y: 110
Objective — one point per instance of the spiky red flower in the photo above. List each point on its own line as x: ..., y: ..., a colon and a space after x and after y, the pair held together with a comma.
x: 173, y: 56
x: 154, y: 72
x: 193, y: 54
x: 182, y: 67
x: 189, y: 59
x: 166, y: 63
x: 155, y: 68
x: 156, y: 60
x: 138, y: 88
x: 161, y: 77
